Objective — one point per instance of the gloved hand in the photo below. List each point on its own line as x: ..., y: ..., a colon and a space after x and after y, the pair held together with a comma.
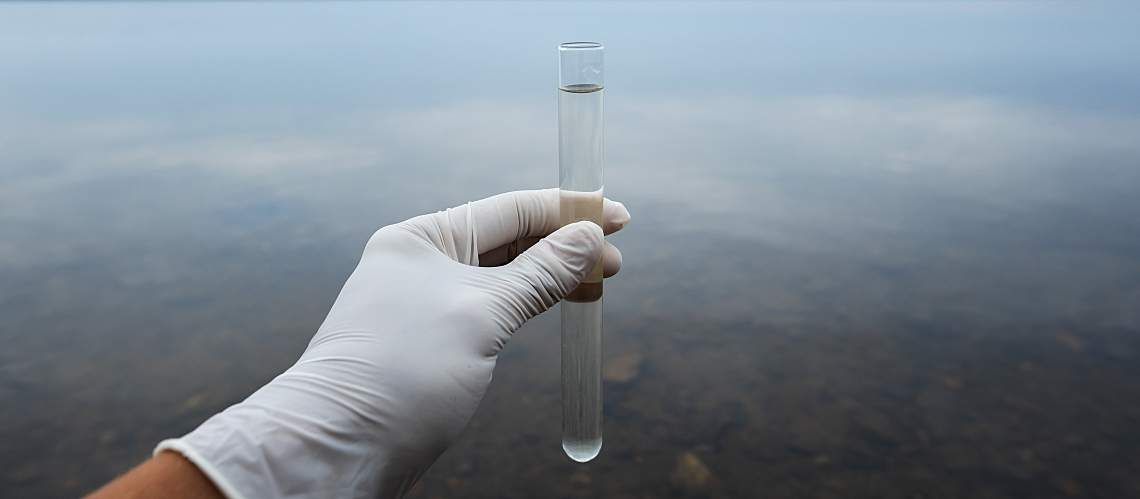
x: 398, y: 367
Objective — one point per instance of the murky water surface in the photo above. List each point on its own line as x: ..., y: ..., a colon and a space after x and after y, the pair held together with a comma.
x: 877, y: 250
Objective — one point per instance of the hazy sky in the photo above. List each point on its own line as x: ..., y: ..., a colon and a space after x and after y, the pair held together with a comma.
x: 184, y: 58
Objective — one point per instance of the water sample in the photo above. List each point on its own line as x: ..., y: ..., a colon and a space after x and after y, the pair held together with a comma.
x: 580, y: 159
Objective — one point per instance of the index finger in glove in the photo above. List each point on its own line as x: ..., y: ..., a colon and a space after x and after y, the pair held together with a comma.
x: 508, y: 217
x: 490, y: 225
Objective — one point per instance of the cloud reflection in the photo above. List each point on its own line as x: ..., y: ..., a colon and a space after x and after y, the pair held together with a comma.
x: 794, y: 171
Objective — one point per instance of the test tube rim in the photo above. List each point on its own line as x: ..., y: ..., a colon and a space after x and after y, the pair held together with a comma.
x: 580, y: 46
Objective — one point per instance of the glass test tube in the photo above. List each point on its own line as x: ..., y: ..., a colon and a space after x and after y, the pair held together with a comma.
x: 580, y: 158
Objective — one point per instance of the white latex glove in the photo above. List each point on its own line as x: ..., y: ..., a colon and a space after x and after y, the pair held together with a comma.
x: 393, y: 375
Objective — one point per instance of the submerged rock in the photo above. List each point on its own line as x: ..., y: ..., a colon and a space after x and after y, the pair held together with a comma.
x: 194, y: 402
x: 1070, y: 341
x: 624, y: 368
x: 580, y: 479
x: 690, y: 473
x: 952, y: 383
x: 1071, y: 487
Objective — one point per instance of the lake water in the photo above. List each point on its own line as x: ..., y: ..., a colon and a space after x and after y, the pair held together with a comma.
x: 877, y: 250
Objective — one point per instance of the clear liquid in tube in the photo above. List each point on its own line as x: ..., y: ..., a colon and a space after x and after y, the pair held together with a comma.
x: 580, y: 181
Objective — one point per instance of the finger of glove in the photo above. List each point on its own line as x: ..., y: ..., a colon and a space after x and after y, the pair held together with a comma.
x: 611, y: 256
x: 465, y: 232
x: 611, y: 260
x: 553, y: 267
x: 505, y: 218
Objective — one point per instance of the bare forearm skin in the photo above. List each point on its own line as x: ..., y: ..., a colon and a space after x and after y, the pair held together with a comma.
x: 167, y: 474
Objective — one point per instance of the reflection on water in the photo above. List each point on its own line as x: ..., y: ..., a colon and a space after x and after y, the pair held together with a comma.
x: 845, y: 281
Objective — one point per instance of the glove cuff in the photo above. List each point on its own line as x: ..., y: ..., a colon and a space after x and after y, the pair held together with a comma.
x: 251, y: 451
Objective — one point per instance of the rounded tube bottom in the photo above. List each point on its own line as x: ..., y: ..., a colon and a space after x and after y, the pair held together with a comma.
x: 582, y: 450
